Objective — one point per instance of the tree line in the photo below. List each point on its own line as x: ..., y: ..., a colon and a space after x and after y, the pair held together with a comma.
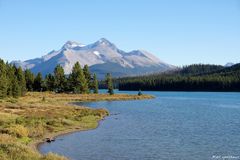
x: 189, y: 78
x: 14, y: 82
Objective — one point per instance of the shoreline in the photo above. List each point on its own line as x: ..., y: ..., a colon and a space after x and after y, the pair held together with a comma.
x: 35, y: 145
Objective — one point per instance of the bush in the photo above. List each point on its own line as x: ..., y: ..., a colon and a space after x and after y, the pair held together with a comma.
x: 12, y: 100
x: 10, y: 149
x: 44, y: 99
x: 17, y: 151
x: 67, y: 122
x: 53, y: 123
x: 19, y: 120
x: 25, y: 140
x: 36, y: 131
x: 18, y: 130
x: 5, y: 138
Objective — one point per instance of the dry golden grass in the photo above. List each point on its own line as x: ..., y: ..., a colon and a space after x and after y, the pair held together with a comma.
x: 31, y: 118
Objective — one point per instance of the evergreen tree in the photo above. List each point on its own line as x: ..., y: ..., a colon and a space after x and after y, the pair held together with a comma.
x: 68, y: 86
x: 3, y: 79
x: 60, y: 79
x: 95, y: 84
x: 109, y: 83
x: 38, y: 83
x: 29, y: 77
x: 78, y: 80
x: 10, y: 78
x: 15, y: 88
x: 49, y: 82
x: 87, y: 74
x: 21, y: 80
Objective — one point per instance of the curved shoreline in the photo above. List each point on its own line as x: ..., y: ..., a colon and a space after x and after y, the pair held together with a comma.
x: 36, y: 145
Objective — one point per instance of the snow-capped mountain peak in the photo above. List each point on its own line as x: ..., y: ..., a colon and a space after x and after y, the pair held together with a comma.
x: 104, y: 41
x: 72, y: 45
x: 101, y: 56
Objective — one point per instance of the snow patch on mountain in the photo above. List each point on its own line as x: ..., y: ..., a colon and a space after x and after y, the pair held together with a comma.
x: 96, y: 53
x: 229, y: 64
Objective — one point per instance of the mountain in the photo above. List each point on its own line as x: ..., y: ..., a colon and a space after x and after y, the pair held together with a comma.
x: 101, y: 57
x: 229, y: 64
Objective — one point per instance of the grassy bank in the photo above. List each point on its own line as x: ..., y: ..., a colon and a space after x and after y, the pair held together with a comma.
x: 28, y: 120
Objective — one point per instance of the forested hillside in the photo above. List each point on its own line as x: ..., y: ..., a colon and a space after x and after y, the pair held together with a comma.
x: 190, y: 78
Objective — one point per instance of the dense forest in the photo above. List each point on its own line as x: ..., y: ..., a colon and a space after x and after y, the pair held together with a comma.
x: 15, y: 82
x: 197, y: 77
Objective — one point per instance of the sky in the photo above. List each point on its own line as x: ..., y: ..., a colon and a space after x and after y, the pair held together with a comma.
x: 177, y: 32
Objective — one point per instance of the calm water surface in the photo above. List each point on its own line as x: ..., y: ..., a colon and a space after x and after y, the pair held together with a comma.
x: 174, y: 125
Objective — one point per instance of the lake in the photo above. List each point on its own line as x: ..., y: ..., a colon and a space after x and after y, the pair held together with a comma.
x: 174, y: 125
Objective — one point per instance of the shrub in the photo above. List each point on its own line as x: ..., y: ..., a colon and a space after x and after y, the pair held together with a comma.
x: 36, y: 131
x: 25, y: 140
x: 51, y: 156
x: 17, y: 151
x: 12, y: 100
x: 19, y: 120
x: 53, y: 122
x: 6, y: 138
x: 18, y: 130
x: 67, y: 122
x: 44, y: 99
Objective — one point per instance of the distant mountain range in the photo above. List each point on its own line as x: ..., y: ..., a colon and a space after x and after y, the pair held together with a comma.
x: 102, y: 57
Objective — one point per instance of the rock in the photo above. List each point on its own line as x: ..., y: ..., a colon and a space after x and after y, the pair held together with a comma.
x: 49, y: 140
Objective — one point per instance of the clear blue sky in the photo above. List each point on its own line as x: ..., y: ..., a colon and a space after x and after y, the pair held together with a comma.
x: 179, y: 32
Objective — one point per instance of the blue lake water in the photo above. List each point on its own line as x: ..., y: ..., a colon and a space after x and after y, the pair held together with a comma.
x: 174, y: 125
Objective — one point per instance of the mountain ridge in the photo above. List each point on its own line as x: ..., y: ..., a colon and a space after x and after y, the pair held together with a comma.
x: 101, y: 56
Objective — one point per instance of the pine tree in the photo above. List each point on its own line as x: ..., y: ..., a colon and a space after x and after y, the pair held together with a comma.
x: 38, y: 82
x: 95, y: 84
x: 109, y: 83
x: 10, y: 78
x: 3, y: 79
x: 60, y: 79
x: 15, y: 88
x: 50, y: 82
x: 21, y: 80
x: 78, y: 80
x: 87, y: 74
x: 29, y: 77
x: 68, y: 86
